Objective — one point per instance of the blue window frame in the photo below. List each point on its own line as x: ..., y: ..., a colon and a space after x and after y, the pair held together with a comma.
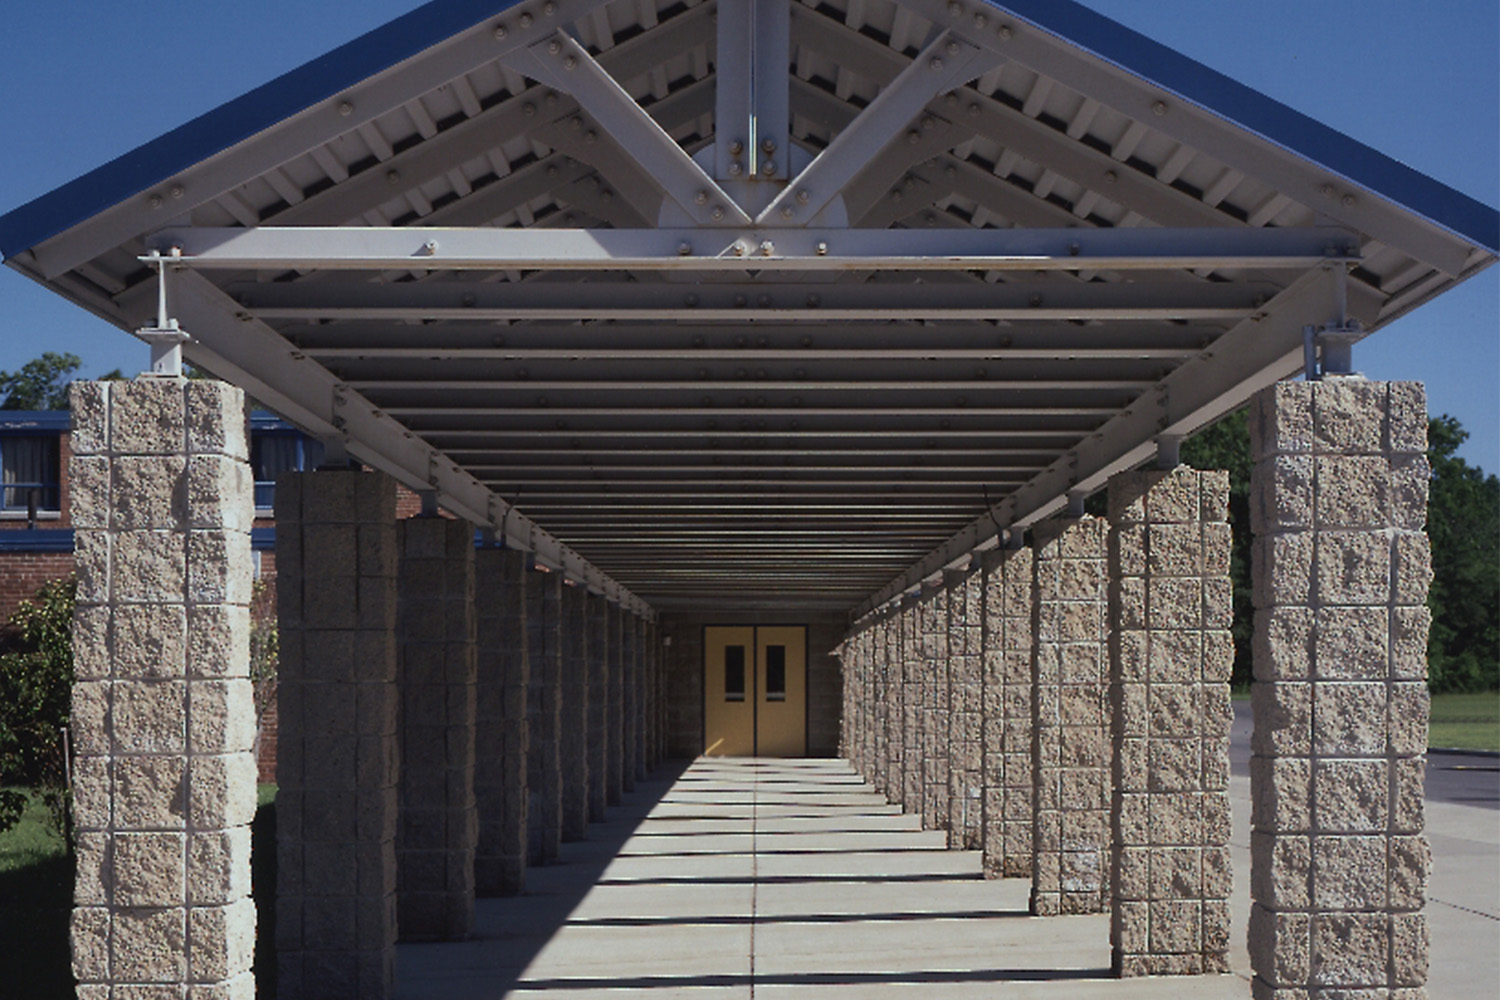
x: 275, y: 450
x: 29, y: 464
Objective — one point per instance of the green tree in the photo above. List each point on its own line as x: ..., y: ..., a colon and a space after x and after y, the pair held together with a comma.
x: 1463, y: 522
x: 39, y: 384
x: 1226, y: 445
x: 36, y: 683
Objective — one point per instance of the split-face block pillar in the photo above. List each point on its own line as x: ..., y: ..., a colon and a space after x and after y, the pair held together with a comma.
x: 895, y: 705
x: 1170, y: 658
x: 573, y: 728
x: 914, y: 711
x: 966, y: 708
x: 881, y: 641
x: 595, y: 621
x: 337, y: 753
x: 500, y: 734
x: 935, y: 691
x: 614, y: 627
x: 543, y: 716
x: 439, y: 825
x: 163, y: 720
x: 1338, y: 859
x: 630, y: 697
x: 1008, y: 782
x: 1070, y: 721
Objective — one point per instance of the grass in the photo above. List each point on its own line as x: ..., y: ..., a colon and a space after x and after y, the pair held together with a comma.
x: 1466, y: 721
x: 36, y: 898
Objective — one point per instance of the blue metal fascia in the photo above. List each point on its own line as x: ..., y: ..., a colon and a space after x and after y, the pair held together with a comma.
x: 1270, y: 119
x: 31, y: 421
x: 265, y: 420
x: 231, y: 123
x: 36, y: 540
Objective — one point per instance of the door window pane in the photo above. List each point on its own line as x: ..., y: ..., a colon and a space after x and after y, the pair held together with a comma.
x: 775, y: 673
x: 734, y: 673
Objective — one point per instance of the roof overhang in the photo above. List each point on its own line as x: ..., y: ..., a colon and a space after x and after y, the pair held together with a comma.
x: 905, y: 276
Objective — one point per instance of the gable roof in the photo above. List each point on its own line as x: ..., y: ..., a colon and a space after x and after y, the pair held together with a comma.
x: 1089, y: 242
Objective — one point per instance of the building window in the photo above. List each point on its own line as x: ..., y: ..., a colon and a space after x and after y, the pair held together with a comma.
x: 274, y: 453
x: 734, y: 673
x: 29, y: 467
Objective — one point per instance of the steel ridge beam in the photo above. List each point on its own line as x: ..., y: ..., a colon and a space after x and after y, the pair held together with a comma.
x: 755, y: 410
x: 498, y: 388
x: 1258, y: 352
x: 1122, y: 352
x: 594, y: 448
x: 433, y: 248
x: 233, y: 345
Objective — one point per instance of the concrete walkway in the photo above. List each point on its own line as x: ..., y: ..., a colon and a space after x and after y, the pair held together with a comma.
x: 791, y: 879
x: 771, y: 879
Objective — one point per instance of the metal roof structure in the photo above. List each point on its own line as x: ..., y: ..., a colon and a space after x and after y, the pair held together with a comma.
x: 757, y: 301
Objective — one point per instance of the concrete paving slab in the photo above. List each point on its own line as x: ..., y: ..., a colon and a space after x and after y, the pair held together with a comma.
x: 683, y: 895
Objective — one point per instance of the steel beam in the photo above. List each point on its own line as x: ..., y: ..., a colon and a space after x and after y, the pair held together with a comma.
x: 945, y: 63
x: 235, y: 346
x: 338, y: 114
x: 1256, y: 353
x: 745, y: 302
x: 563, y: 62
x: 1028, y: 250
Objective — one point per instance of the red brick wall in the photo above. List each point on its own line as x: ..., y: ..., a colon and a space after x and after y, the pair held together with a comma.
x: 23, y: 573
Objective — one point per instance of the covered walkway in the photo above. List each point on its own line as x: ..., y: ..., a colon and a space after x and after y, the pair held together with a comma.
x: 741, y: 877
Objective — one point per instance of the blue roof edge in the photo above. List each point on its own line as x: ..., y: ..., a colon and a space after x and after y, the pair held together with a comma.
x: 231, y: 123
x: 1265, y: 116
x: 428, y: 25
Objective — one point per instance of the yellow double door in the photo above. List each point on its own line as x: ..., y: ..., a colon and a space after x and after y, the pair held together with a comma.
x: 755, y: 690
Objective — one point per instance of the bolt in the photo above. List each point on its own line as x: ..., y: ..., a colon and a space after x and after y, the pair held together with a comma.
x: 936, y: 63
x: 500, y: 32
x: 554, y: 46
x: 1347, y: 201
x: 913, y: 137
x: 739, y: 248
x: 392, y: 177
x: 813, y: 301
x: 736, y: 168
x: 1036, y: 301
x: 1074, y: 249
x: 176, y: 191
x: 691, y: 301
x: 701, y: 198
x: 346, y: 109
x: 740, y: 301
x: 979, y: 20
x: 1110, y: 177
x: 570, y: 63
x: 768, y: 147
x: 787, y: 212
x: 952, y: 49
x: 929, y: 123
x: 803, y: 197
x: 528, y: 110
x: 684, y: 249
x: 955, y: 9
x: 430, y: 247
x: 767, y: 248
x: 525, y: 20
x: 736, y: 148
x: 822, y: 249
x: 1159, y: 108
x: 549, y: 8
x: 973, y: 109
x: 155, y: 201
x: 718, y: 212
x: 768, y: 168
x: 590, y: 136
x: 1003, y: 31
x: 551, y: 98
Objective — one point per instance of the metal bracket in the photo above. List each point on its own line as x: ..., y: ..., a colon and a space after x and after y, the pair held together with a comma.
x: 166, y: 337
x: 1333, y: 343
x: 1168, y: 451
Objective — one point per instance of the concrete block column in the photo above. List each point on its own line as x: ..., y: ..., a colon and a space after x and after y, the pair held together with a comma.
x: 1339, y: 861
x: 614, y: 627
x: 595, y: 624
x: 1008, y: 782
x: 500, y: 734
x: 439, y: 827
x: 881, y: 654
x: 630, y: 697
x: 854, y: 709
x: 895, y: 703
x: 1170, y: 658
x: 642, y: 672
x: 544, y: 717
x: 1070, y: 718
x: 966, y: 708
x: 163, y: 721
x: 573, y: 727
x: 914, y: 677
x: 338, y: 751
x: 935, y: 697
x: 648, y: 697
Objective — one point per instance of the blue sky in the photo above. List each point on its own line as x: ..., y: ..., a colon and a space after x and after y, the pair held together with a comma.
x: 87, y: 81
